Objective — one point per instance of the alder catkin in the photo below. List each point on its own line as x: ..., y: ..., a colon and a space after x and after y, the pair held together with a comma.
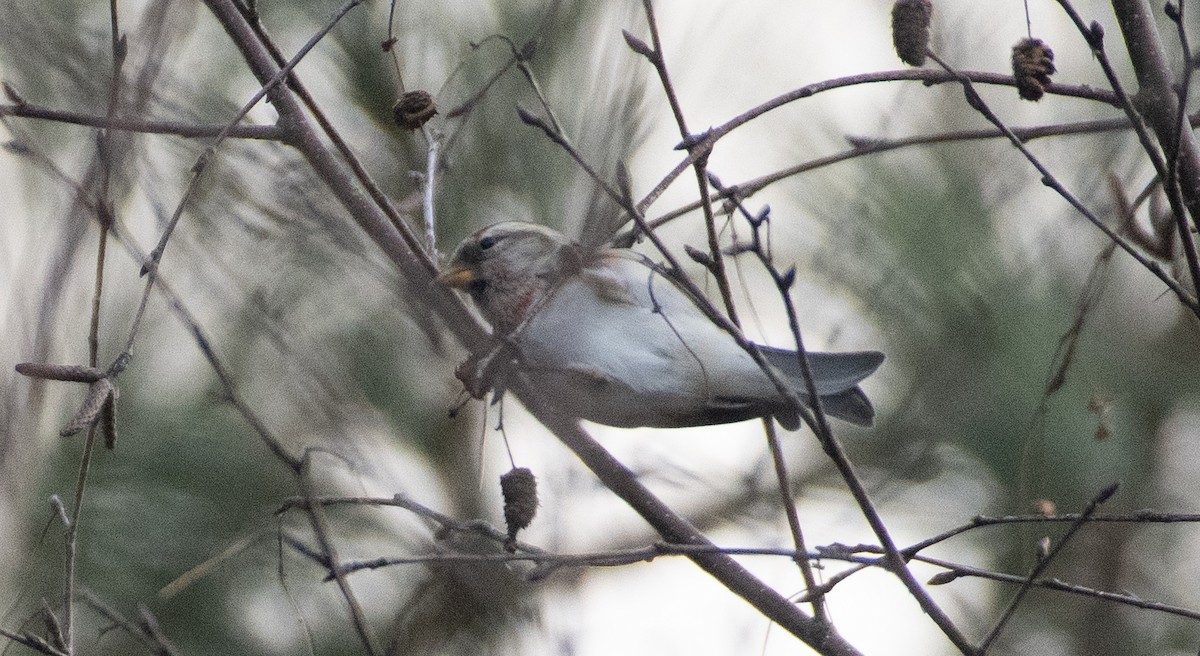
x: 97, y: 396
x: 108, y: 420
x: 519, y: 487
x: 1033, y: 64
x: 66, y: 372
x: 414, y: 109
x: 910, y: 29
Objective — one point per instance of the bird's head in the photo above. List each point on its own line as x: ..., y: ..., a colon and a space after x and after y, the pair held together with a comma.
x: 507, y: 267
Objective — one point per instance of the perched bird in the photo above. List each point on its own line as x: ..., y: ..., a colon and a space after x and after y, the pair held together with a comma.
x: 609, y: 337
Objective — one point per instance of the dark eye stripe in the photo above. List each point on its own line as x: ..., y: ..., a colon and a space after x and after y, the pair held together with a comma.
x: 487, y: 242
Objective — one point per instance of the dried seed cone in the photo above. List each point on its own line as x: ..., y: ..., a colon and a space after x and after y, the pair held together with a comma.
x: 414, y: 109
x: 519, y: 488
x: 910, y: 29
x: 1033, y: 64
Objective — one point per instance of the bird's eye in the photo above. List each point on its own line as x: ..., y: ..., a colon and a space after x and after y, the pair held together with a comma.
x: 487, y: 242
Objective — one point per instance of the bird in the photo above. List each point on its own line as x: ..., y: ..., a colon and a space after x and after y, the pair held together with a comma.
x: 608, y: 335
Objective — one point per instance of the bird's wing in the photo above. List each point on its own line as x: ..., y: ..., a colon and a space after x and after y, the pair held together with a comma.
x: 652, y: 335
x: 621, y: 344
x: 833, y: 372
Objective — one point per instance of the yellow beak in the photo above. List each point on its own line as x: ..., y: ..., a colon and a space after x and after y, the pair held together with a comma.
x: 458, y: 276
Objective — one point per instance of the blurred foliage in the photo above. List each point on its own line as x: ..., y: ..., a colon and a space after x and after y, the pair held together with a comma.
x: 309, y: 318
x: 975, y: 326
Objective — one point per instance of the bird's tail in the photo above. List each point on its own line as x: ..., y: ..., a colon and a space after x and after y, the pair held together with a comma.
x: 851, y: 405
x: 835, y: 376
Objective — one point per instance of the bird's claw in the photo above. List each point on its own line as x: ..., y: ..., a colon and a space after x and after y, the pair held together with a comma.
x: 481, y: 373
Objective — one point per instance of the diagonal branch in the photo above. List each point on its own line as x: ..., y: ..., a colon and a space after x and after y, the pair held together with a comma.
x: 676, y: 529
x: 1044, y: 563
x: 976, y: 102
x: 372, y: 219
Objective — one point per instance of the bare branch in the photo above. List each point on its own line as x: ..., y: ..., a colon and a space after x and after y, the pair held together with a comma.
x: 1044, y: 562
x: 144, y: 126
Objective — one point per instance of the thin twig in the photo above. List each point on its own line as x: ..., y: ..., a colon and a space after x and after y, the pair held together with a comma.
x: 466, y: 106
x: 976, y: 102
x: 820, y: 610
x: 1172, y: 186
x: 105, y: 218
x: 389, y: 45
x: 429, y: 189
x: 699, y: 164
x: 927, y: 76
x: 320, y: 526
x: 72, y: 540
x: 894, y: 562
x: 143, y: 126
x: 177, y: 307
x: 1160, y: 106
x: 981, y: 521
x: 468, y: 330
x: 267, y: 88
x: 153, y: 638
x: 519, y: 57
x: 382, y: 200
x: 819, y: 423
x: 549, y: 561
x: 34, y: 642
x: 781, y: 475
x: 197, y: 572
x: 716, y: 266
x: 958, y: 570
x: 1060, y: 363
x: 1044, y: 563
x: 862, y: 147
x: 154, y: 634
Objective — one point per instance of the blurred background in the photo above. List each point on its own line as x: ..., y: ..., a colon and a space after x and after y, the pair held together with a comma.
x: 953, y: 258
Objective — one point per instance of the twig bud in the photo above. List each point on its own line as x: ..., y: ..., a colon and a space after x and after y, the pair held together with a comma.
x: 519, y: 488
x: 763, y: 216
x: 942, y: 578
x: 910, y: 29
x: 527, y: 50
x: 787, y: 278
x: 53, y: 627
x: 637, y: 45
x: 698, y: 256
x: 1033, y: 64
x: 414, y: 109
x: 11, y: 93
x: 121, y: 48
x: 1106, y: 493
x: 529, y: 118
